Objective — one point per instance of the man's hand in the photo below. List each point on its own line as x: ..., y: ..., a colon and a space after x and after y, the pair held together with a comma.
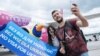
x: 75, y: 10
x: 82, y: 22
x: 62, y: 50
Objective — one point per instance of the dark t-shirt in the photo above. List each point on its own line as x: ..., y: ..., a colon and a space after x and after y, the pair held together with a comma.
x: 74, y: 42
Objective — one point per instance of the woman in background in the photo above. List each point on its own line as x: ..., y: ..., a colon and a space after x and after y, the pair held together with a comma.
x: 53, y: 40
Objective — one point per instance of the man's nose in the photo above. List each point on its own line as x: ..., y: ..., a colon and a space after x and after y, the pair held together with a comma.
x: 57, y: 15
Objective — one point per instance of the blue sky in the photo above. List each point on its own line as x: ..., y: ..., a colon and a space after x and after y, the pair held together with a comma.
x: 40, y: 10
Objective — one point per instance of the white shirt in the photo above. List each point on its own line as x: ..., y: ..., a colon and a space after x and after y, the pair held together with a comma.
x: 55, y: 42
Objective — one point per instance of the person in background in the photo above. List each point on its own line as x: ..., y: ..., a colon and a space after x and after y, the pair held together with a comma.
x: 1, y: 28
x: 95, y: 37
x: 53, y: 40
x: 25, y: 29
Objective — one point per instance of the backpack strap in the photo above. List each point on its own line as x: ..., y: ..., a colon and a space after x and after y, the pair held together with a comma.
x: 68, y: 25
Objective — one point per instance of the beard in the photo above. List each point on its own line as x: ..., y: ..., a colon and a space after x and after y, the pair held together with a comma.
x: 59, y: 21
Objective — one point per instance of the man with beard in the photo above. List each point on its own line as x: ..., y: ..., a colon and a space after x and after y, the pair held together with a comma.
x: 68, y: 32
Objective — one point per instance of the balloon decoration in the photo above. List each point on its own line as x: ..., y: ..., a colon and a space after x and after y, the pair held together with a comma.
x: 44, y: 35
x: 37, y: 29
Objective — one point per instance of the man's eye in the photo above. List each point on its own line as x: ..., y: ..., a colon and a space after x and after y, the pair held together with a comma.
x: 57, y: 14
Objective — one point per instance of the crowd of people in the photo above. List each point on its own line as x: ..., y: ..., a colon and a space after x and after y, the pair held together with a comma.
x: 93, y: 37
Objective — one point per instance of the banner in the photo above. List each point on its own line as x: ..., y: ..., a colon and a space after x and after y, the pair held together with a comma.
x: 5, y: 17
x: 23, y: 44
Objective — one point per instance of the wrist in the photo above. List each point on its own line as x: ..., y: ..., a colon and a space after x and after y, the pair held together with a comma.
x: 79, y: 15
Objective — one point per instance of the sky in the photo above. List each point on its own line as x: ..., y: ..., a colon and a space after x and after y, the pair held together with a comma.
x: 40, y: 10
